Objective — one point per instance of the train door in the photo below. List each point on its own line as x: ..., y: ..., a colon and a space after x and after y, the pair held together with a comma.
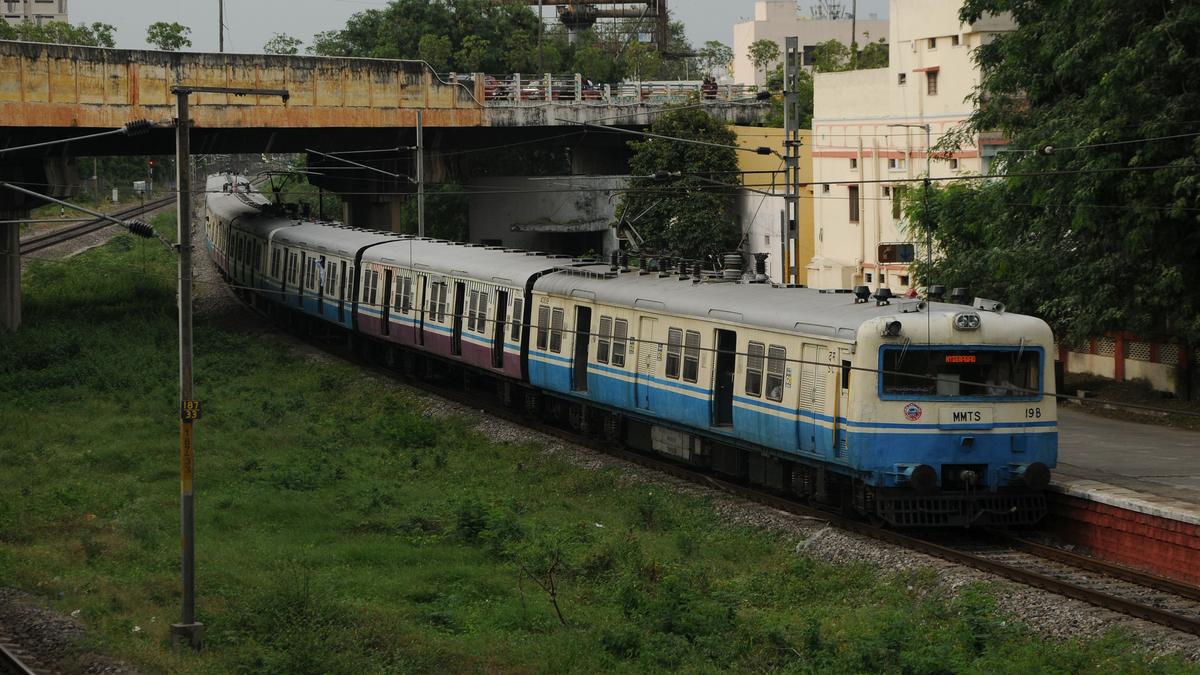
x: 583, y: 338
x: 501, y: 326
x: 342, y: 292
x: 647, y: 362
x: 421, y: 300
x: 812, y: 396
x: 460, y: 294
x: 287, y: 259
x: 385, y: 317
x: 321, y: 288
x: 841, y: 403
x: 722, y: 401
x: 300, y: 282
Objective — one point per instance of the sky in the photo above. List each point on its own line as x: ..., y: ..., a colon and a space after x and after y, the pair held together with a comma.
x: 250, y: 23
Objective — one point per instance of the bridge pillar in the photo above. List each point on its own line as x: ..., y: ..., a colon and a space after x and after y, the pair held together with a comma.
x: 55, y: 177
x: 10, y: 269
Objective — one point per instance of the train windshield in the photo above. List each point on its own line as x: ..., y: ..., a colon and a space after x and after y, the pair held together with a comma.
x: 941, y: 372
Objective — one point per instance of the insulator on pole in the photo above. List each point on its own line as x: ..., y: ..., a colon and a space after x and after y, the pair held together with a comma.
x: 138, y: 127
x: 141, y: 228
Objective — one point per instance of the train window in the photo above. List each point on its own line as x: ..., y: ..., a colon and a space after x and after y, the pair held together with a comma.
x: 437, y: 301
x: 472, y: 310
x: 846, y: 370
x: 293, y: 265
x: 620, y: 334
x: 275, y: 262
x: 518, y: 307
x: 776, y: 358
x: 310, y: 276
x: 543, y: 327
x: 674, y: 344
x: 403, y: 300
x: 691, y: 356
x: 604, y: 339
x: 556, y: 330
x: 331, y: 276
x: 754, y: 368
x: 950, y: 373
x: 370, y: 294
x: 481, y: 318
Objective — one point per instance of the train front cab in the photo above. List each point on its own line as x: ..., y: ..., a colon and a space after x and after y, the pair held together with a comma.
x: 957, y: 431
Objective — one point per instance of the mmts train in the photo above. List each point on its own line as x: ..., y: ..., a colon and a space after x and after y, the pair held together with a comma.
x: 911, y: 413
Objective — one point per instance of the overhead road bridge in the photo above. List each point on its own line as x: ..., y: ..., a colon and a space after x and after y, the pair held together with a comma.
x: 53, y: 92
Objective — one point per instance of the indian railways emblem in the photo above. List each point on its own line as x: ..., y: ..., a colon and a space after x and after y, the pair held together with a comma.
x: 912, y: 412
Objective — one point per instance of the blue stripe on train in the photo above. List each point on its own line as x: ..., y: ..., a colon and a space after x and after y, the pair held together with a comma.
x: 869, y: 447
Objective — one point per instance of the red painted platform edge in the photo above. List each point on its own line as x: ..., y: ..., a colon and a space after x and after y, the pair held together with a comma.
x: 1159, y: 545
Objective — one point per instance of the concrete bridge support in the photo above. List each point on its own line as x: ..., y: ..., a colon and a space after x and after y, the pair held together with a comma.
x: 54, y: 177
x: 10, y: 269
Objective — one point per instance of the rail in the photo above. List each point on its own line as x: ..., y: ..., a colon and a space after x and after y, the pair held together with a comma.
x: 521, y: 89
x: 41, y: 241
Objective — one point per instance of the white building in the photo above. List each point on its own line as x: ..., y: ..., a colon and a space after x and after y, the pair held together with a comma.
x: 778, y: 19
x: 863, y: 159
x: 34, y: 11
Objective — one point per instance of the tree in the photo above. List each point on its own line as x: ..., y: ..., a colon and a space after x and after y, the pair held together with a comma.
x: 473, y: 53
x: 169, y: 37
x: 684, y: 215
x: 641, y: 61
x: 282, y: 43
x: 715, y: 55
x: 59, y: 32
x: 1087, y: 236
x: 763, y: 53
x: 436, y: 50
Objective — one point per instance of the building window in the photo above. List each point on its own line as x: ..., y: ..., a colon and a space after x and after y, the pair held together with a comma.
x: 933, y: 43
x: 556, y: 329
x: 895, y: 164
x: 953, y: 164
x: 674, y: 345
x: 825, y: 188
x: 603, y: 341
x: 691, y: 356
x: 902, y: 79
x: 754, y: 368
x: 868, y: 277
x: 543, y: 327
x: 903, y: 279
x: 897, y: 198
x: 854, y: 203
x: 854, y: 164
x: 931, y: 83
x: 954, y: 41
x: 776, y: 357
x: 887, y: 191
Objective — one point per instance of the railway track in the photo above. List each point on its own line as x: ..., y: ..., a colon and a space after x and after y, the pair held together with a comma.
x: 42, y: 241
x: 11, y: 662
x: 1114, y: 587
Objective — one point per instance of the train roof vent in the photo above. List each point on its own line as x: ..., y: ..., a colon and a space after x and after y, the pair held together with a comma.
x: 989, y: 305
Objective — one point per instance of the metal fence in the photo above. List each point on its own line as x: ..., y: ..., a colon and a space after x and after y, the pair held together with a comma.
x: 519, y: 89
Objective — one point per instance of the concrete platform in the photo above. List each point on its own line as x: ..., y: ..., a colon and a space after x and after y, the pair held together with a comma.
x: 1129, y: 493
x: 1150, y: 469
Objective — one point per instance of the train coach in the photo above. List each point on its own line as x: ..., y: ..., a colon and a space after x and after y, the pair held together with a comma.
x: 913, y: 413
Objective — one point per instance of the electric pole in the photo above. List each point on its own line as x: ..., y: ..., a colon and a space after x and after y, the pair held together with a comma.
x: 188, y: 630
x: 420, y: 175
x: 792, y: 55
x: 221, y: 24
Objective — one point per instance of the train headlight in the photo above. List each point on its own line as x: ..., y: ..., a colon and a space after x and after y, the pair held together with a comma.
x: 966, y: 321
x: 890, y: 329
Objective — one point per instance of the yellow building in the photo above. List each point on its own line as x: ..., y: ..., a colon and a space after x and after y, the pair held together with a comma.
x: 761, y: 214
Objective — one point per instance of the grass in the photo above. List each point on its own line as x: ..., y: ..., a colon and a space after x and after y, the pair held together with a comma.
x: 343, y: 530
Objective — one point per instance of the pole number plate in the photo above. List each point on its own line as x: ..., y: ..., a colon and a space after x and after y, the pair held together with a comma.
x: 189, y: 411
